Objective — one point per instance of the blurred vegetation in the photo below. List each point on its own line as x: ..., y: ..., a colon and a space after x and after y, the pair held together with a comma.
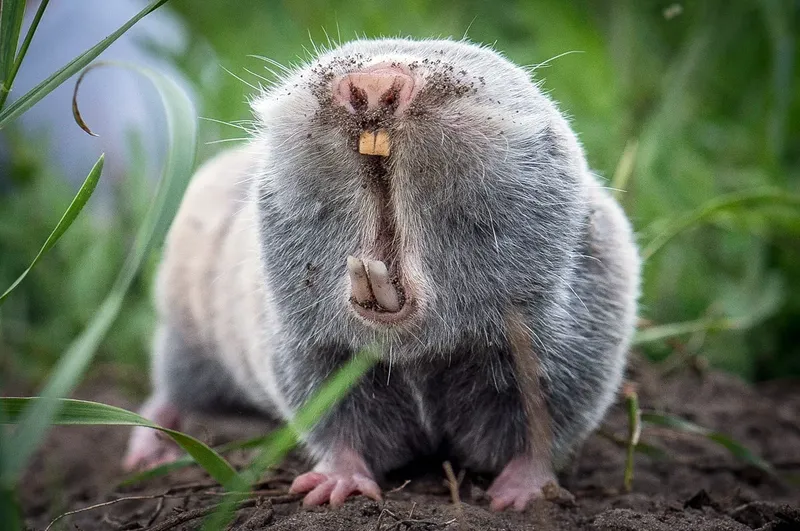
x: 53, y: 305
x: 677, y: 103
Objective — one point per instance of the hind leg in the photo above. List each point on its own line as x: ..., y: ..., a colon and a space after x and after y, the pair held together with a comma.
x: 185, y: 379
x: 148, y: 448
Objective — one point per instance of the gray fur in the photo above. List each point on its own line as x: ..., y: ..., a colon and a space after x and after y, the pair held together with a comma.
x: 495, y: 211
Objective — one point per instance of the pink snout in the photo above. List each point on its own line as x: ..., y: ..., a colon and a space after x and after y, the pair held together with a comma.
x: 380, y: 87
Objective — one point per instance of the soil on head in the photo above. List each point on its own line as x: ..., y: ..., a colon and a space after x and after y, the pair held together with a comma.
x: 698, y: 485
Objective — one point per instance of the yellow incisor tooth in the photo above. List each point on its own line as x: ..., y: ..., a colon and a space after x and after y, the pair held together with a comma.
x: 374, y: 143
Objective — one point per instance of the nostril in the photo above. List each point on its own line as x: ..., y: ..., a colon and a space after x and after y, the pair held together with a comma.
x: 389, y: 98
x: 358, y: 98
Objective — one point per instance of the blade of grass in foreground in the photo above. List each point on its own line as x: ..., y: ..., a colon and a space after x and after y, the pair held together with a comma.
x: 81, y: 412
x: 73, y: 67
x: 186, y: 460
x: 736, y: 449
x: 11, y: 14
x: 634, y: 433
x: 182, y: 137
x: 280, y: 442
x: 9, y: 508
x: 23, y: 49
x: 83, y: 195
x: 352, y: 374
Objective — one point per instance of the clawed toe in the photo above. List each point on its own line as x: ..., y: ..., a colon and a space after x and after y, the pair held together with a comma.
x: 334, y: 488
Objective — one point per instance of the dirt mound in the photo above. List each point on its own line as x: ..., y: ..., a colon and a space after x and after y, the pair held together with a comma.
x: 699, y: 486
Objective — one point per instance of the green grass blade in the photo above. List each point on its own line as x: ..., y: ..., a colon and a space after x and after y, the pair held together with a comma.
x: 634, y: 433
x: 83, y: 195
x: 662, y: 332
x: 326, y: 398
x: 9, y: 510
x: 182, y: 132
x: 624, y: 169
x: 650, y: 450
x: 9, y: 506
x: 161, y: 470
x: 23, y: 49
x: 694, y: 218
x: 335, y: 389
x: 184, y: 461
x: 84, y: 413
x: 769, y: 302
x: 276, y: 441
x: 11, y: 14
x: 73, y: 67
x: 738, y: 450
x: 280, y: 442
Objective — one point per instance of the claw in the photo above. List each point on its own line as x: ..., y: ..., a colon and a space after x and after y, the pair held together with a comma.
x: 334, y: 488
x: 334, y: 480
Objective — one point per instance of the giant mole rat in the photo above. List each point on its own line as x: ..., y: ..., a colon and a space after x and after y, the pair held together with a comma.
x: 425, y: 196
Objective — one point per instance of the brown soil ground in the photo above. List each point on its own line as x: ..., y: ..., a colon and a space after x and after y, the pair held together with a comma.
x: 699, y: 487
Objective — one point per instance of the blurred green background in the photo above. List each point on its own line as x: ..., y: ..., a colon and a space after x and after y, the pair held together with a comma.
x: 675, y: 103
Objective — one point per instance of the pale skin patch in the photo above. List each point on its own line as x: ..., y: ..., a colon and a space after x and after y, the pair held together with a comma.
x: 525, y: 476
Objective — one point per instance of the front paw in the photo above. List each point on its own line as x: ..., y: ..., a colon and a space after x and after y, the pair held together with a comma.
x: 334, y: 488
x: 343, y: 474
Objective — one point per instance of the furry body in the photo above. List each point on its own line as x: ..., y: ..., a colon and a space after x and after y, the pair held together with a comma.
x: 493, y: 218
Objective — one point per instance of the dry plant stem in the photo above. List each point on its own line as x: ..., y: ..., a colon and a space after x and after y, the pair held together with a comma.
x: 453, y: 484
x: 187, y: 516
x: 156, y: 512
x: 202, y: 512
x: 262, y: 516
x: 401, y: 487
x: 106, y: 504
x: 380, y: 520
x: 634, y: 431
x: 192, y: 487
x: 118, y: 525
x: 281, y: 497
x: 408, y: 522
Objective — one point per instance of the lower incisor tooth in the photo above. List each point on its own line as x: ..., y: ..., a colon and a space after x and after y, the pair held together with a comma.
x: 359, y: 284
x: 385, y: 293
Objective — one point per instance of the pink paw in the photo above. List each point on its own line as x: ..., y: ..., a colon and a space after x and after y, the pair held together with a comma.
x: 334, y: 488
x: 149, y: 448
x: 521, y: 481
x: 333, y: 480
